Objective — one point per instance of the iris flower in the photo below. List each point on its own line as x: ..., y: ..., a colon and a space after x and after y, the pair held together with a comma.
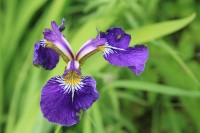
x: 64, y: 97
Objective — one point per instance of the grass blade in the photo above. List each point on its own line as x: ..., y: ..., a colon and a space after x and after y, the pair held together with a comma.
x: 151, y: 87
x: 154, y: 31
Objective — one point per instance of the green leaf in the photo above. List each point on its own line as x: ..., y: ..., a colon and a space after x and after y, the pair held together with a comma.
x: 151, y: 87
x: 58, y: 129
x: 131, y: 97
x: 97, y: 116
x: 154, y: 31
x: 180, y: 61
x: 87, y: 125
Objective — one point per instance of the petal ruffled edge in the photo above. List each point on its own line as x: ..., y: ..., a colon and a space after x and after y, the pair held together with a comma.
x: 57, y: 104
x: 45, y: 57
x: 133, y: 57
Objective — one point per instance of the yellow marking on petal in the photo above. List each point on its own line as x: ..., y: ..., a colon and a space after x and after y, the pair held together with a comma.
x: 101, y: 48
x: 72, y: 78
x: 83, y: 59
x: 52, y: 46
x: 48, y: 43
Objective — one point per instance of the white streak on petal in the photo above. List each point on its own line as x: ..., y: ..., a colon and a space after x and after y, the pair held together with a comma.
x: 63, y: 49
x: 111, y: 50
x: 66, y: 42
x: 67, y: 88
x: 72, y: 92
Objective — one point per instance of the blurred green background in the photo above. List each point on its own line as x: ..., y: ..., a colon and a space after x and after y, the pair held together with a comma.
x: 165, y: 98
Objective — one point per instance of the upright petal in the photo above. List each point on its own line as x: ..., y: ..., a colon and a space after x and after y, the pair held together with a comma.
x: 58, y: 40
x: 90, y: 46
x: 116, y: 37
x: 60, y: 106
x: 133, y: 57
x: 45, y: 57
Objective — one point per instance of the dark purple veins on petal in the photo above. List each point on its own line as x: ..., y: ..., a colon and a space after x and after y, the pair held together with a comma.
x: 87, y: 95
x: 55, y: 36
x: 57, y: 105
x: 132, y: 57
x: 45, y: 57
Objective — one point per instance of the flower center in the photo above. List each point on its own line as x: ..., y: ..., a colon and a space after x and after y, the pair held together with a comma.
x: 72, y: 78
x: 73, y: 81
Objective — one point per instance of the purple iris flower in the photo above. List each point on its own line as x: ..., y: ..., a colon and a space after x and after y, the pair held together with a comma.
x: 64, y: 97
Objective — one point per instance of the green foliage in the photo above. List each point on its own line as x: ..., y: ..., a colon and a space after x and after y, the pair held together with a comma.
x: 164, y: 98
x: 158, y: 30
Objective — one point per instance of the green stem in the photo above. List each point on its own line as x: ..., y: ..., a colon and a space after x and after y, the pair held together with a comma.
x: 58, y: 129
x: 1, y: 95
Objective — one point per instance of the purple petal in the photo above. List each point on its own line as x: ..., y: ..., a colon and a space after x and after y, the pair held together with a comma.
x: 137, y: 70
x: 87, y: 95
x: 116, y: 37
x: 58, y: 40
x: 72, y: 65
x: 45, y: 57
x: 133, y: 57
x: 89, y: 46
x: 57, y: 104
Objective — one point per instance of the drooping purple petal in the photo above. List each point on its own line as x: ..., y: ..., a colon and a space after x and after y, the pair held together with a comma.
x: 116, y: 37
x: 137, y: 70
x: 90, y: 46
x: 87, y: 95
x: 59, y: 106
x: 45, y: 57
x: 133, y: 57
x: 56, y: 37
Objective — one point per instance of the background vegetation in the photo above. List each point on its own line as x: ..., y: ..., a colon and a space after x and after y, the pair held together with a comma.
x: 165, y: 98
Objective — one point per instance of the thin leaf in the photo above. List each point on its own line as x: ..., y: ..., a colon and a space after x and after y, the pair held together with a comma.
x: 174, y: 54
x: 154, y: 31
x: 151, y: 87
x: 131, y: 97
x: 97, y: 116
x: 87, y: 125
x: 58, y: 129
